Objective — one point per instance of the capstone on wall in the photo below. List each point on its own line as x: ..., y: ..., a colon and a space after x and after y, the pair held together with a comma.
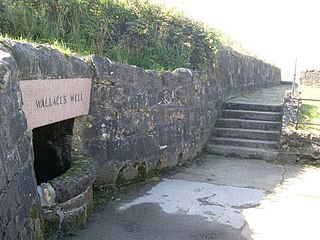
x: 139, y: 120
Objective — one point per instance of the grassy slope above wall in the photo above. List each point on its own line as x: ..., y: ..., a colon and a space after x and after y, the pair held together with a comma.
x: 128, y: 31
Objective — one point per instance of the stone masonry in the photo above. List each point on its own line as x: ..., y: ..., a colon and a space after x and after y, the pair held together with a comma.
x: 310, y: 78
x: 139, y: 120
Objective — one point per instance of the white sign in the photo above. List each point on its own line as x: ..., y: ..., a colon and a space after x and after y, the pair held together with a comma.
x: 54, y: 100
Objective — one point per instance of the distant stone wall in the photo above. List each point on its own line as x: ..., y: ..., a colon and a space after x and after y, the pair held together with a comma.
x: 138, y: 121
x: 310, y: 78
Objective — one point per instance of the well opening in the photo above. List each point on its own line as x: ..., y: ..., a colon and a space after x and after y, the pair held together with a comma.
x: 52, y: 150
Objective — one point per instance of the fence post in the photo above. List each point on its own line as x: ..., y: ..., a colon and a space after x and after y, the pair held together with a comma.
x: 294, y: 78
x: 297, y: 120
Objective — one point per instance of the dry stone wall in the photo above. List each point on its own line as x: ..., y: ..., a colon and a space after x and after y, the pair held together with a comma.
x: 139, y: 120
x: 20, y: 215
x: 310, y: 78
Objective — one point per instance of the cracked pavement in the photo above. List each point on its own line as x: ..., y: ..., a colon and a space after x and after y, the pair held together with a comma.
x: 223, y: 198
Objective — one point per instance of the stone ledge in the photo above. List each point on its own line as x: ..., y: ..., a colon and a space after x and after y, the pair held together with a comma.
x: 67, y: 200
x: 70, y: 215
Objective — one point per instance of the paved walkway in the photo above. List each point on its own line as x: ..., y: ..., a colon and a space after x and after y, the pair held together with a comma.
x: 223, y: 199
x: 269, y: 96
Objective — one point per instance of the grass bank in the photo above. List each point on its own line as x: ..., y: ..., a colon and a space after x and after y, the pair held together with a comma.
x: 134, y: 32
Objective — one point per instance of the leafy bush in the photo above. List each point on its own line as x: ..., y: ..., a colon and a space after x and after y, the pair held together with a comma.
x: 128, y: 31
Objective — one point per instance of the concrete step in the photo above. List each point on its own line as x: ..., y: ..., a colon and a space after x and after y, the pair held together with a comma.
x: 248, y: 124
x: 252, y: 143
x: 253, y: 107
x: 242, y: 152
x: 246, y: 133
x: 253, y: 115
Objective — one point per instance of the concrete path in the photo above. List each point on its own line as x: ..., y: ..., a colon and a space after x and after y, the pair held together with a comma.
x: 223, y: 199
x: 267, y: 96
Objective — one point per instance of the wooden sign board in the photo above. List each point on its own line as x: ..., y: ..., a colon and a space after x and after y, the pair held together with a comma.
x: 54, y: 100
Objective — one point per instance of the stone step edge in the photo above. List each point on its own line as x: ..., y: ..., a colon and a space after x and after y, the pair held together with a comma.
x: 243, y: 148
x: 213, y: 138
x: 231, y: 104
x: 250, y: 111
x: 243, y: 152
x: 247, y: 120
x: 245, y: 130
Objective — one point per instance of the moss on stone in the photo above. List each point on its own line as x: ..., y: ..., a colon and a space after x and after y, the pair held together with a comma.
x: 78, y: 168
x: 37, y: 223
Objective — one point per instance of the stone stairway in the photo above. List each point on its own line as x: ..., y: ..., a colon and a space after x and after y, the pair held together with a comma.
x: 247, y: 130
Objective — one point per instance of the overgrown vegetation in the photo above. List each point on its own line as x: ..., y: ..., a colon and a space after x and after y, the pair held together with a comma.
x: 128, y: 31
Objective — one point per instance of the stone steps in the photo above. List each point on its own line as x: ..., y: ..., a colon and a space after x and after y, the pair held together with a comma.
x: 253, y: 143
x: 243, y: 152
x: 253, y: 107
x: 247, y: 131
x: 253, y: 115
x: 248, y: 124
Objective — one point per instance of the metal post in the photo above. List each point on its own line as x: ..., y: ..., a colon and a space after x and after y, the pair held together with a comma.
x: 297, y: 120
x: 294, y: 78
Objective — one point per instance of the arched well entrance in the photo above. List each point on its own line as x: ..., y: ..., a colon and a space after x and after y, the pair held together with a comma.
x: 52, y: 150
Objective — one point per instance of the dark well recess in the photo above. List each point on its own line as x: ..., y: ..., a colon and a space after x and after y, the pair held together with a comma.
x: 52, y: 150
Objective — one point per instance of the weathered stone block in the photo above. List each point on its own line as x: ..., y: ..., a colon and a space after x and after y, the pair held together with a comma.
x: 80, y: 68
x: 102, y: 68
x: 74, y: 219
x: 53, y: 64
x: 183, y: 75
x: 8, y: 70
x: 152, y: 163
x: 128, y: 172
x: 287, y: 157
x: 27, y: 58
x: 168, y: 79
x: 155, y: 79
x: 106, y: 174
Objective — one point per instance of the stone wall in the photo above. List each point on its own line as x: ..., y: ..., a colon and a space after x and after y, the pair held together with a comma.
x: 300, y: 147
x: 20, y: 215
x: 296, y: 146
x: 310, y: 78
x: 139, y: 120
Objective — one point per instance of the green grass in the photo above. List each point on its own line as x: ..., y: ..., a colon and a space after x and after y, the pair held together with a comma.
x: 310, y: 114
x: 310, y: 110
x: 134, y: 32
